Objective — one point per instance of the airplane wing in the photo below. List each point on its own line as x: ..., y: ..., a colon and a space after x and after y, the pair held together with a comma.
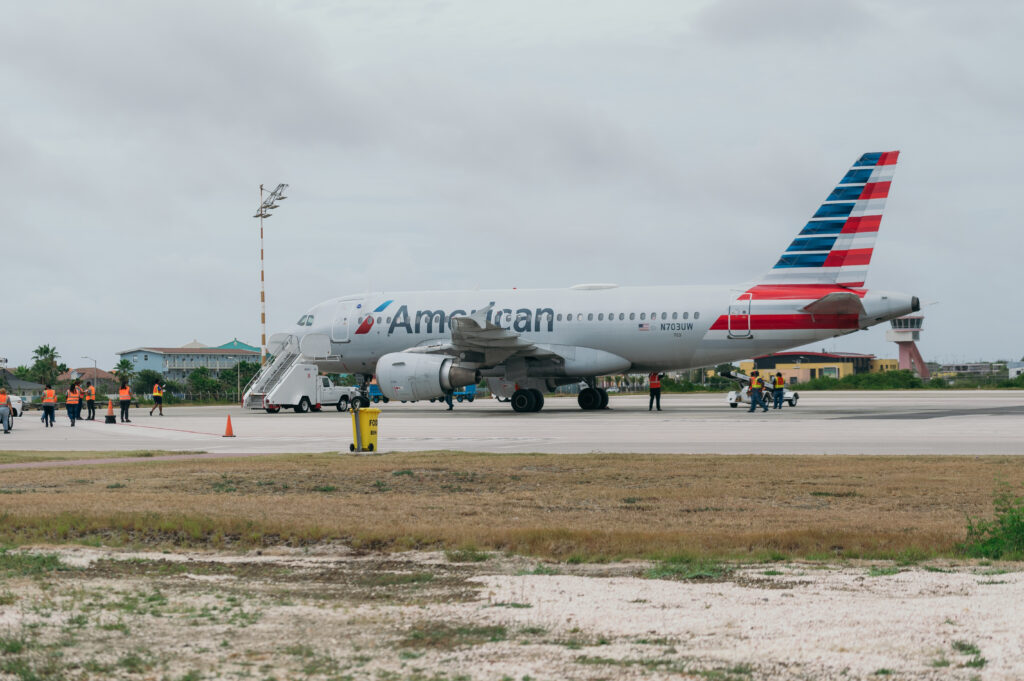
x: 836, y: 303
x: 479, y: 342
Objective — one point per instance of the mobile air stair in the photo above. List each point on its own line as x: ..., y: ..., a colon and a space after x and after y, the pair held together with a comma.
x: 272, y: 373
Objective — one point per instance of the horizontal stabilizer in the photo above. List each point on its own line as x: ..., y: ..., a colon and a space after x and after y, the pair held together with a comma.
x: 836, y: 303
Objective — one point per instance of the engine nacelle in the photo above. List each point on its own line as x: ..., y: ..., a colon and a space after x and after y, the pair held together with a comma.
x: 415, y: 376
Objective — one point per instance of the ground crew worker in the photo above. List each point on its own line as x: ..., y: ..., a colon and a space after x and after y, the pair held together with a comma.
x: 448, y: 399
x: 49, y: 405
x: 778, y: 389
x: 655, y: 383
x: 6, y: 409
x: 158, y: 398
x: 90, y: 401
x: 73, y: 402
x: 124, y: 398
x: 754, y: 391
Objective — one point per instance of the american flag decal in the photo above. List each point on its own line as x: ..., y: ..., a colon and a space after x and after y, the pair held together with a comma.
x: 645, y: 327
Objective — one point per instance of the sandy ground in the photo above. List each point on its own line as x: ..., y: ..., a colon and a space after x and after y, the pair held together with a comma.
x: 330, y: 613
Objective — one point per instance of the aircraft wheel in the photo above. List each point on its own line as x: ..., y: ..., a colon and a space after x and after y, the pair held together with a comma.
x: 342, y: 403
x: 523, y: 401
x: 303, y: 406
x: 589, y: 399
x: 604, y: 398
x: 538, y: 398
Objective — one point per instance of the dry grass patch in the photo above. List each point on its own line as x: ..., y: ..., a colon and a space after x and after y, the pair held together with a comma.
x: 31, y: 456
x: 555, y: 506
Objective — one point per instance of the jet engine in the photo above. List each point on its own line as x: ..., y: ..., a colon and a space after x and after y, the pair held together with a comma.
x: 408, y: 376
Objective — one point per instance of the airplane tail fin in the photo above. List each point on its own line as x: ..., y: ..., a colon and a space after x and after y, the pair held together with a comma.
x: 835, y: 245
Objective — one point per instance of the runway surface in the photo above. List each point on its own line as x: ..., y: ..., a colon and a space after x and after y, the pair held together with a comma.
x: 932, y: 422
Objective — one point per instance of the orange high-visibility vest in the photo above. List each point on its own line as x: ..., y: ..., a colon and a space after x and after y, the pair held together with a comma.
x: 779, y: 381
x: 124, y: 394
x: 655, y: 380
x: 90, y: 393
x: 50, y: 396
x: 73, y: 396
x: 756, y: 383
x: 157, y: 392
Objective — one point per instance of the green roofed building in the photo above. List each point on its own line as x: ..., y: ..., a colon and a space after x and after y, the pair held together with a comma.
x: 238, y: 345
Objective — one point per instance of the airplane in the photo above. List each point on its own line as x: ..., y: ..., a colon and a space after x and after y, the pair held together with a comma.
x: 524, y: 342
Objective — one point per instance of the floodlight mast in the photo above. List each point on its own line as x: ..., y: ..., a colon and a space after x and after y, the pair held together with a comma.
x: 266, y: 205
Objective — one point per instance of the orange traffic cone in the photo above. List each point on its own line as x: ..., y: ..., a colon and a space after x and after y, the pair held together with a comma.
x: 227, y: 431
x: 110, y: 413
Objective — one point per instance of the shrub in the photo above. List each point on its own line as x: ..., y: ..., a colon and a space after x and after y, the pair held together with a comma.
x: 1001, y: 537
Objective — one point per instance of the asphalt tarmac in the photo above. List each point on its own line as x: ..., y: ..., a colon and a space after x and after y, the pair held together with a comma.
x: 926, y: 422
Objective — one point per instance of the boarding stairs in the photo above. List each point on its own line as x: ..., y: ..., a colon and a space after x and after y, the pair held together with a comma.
x: 270, y: 376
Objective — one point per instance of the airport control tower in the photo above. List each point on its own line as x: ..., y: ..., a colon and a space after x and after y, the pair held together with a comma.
x: 905, y: 332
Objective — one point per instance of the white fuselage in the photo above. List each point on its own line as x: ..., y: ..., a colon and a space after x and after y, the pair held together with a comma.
x: 651, y: 328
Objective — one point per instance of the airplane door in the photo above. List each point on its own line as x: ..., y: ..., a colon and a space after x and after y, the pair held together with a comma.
x: 344, y: 315
x: 739, y: 316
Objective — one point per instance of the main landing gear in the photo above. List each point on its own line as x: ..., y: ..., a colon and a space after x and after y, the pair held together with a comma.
x: 529, y: 399
x: 593, y: 398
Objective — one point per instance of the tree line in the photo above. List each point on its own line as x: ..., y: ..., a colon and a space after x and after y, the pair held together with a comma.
x: 200, y: 383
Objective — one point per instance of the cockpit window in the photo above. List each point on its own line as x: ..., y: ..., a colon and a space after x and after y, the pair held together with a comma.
x: 302, y: 320
x: 309, y: 320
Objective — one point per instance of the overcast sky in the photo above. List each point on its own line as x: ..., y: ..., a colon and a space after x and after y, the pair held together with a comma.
x: 467, y: 143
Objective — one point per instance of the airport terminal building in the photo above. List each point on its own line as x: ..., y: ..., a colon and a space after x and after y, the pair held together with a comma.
x: 177, y: 363
x: 800, y: 367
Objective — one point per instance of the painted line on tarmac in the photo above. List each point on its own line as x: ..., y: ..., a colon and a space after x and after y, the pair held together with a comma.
x: 173, y: 430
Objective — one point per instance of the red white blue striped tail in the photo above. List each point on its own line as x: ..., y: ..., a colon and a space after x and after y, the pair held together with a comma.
x: 835, y: 246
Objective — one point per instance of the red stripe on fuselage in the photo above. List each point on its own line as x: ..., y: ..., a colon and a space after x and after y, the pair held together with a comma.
x: 787, y: 322
x: 854, y: 256
x: 868, y: 223
x: 365, y: 326
x: 798, y: 291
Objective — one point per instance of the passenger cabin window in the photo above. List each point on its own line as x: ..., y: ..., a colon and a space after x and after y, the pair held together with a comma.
x: 600, y: 317
x: 696, y: 315
x: 643, y: 315
x: 579, y: 316
x: 559, y: 317
x: 664, y: 316
x: 675, y: 315
x: 632, y: 316
x: 590, y: 317
x: 622, y: 315
x: 686, y: 315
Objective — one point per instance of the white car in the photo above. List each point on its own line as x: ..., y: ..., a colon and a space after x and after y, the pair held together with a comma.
x: 16, y: 405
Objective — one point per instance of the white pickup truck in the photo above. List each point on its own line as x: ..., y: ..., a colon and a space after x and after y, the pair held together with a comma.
x: 304, y: 390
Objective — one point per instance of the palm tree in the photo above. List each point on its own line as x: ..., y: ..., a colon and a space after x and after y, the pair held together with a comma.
x: 44, y: 367
x: 124, y: 370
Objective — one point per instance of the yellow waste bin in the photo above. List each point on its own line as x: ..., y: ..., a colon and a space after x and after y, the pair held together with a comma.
x: 364, y: 430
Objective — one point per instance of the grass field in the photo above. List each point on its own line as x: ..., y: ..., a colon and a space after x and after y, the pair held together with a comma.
x: 27, y: 456
x: 577, y: 508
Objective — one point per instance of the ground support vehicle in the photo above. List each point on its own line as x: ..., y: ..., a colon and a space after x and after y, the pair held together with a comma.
x: 466, y: 394
x: 741, y: 396
x: 375, y: 394
x: 303, y: 390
